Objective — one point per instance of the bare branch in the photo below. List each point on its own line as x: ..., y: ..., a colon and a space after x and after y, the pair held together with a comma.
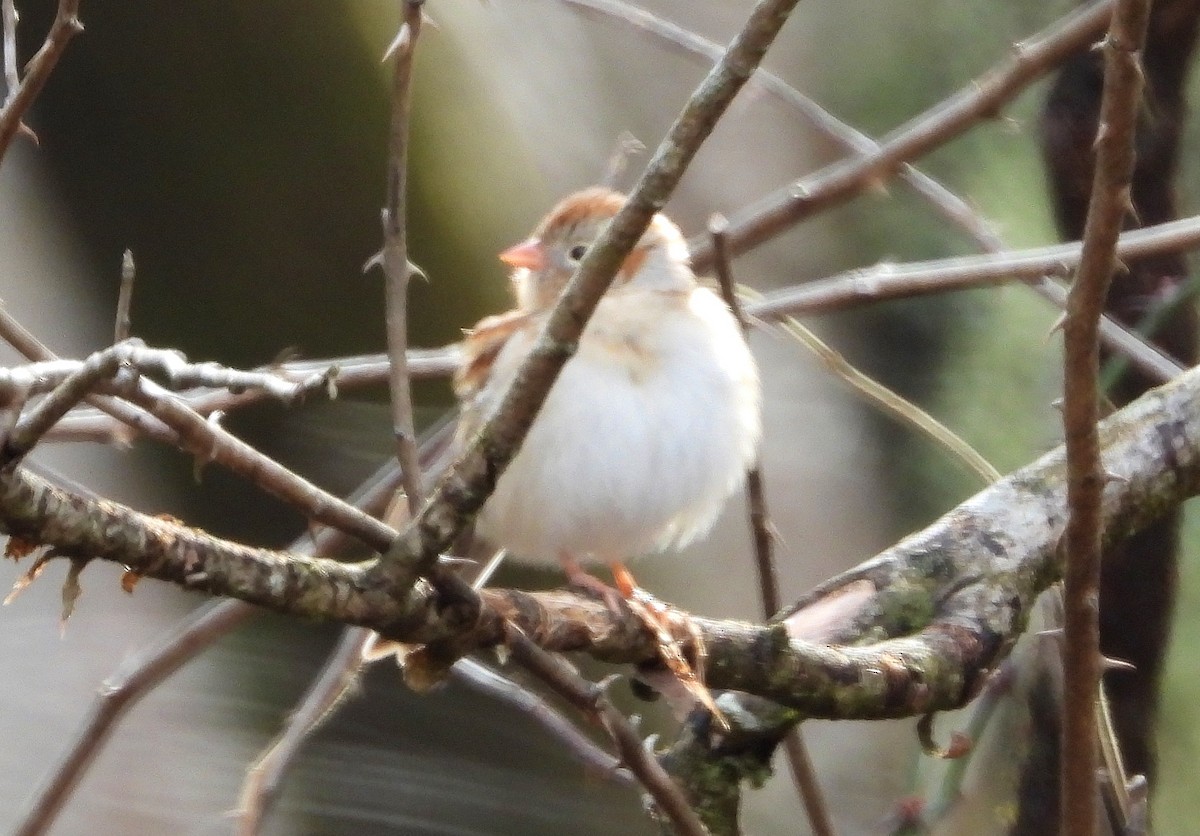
x: 963, y: 615
x: 981, y: 99
x: 1109, y: 207
x: 592, y: 700
x: 396, y: 266
x: 65, y: 27
x: 125, y: 298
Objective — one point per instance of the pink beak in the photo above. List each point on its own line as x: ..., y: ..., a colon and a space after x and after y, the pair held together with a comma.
x: 528, y: 254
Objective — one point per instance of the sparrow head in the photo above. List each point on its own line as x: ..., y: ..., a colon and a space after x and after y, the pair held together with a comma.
x: 544, y: 262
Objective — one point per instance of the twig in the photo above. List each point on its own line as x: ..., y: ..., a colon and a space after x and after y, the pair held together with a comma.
x: 982, y: 99
x: 20, y: 338
x: 945, y: 202
x: 396, y: 266
x: 204, y: 439
x: 598, y: 762
x: 145, y: 670
x: 117, y: 695
x: 887, y: 281
x: 12, y: 77
x: 342, y: 374
x: 65, y: 27
x: 341, y: 669
x: 963, y: 616
x: 594, y: 703
x: 1110, y: 205
x: 467, y: 487
x: 125, y: 297
x: 803, y: 773
x: 264, y: 778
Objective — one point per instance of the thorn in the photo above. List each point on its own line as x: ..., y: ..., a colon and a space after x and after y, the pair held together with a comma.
x: 376, y: 260
x: 1117, y: 478
x: 650, y: 744
x: 608, y: 682
x: 452, y: 562
x: 28, y: 132
x: 1108, y: 663
x: 960, y: 744
x: 1056, y: 326
x: 401, y: 40
x: 717, y: 224
x: 1057, y: 403
x: 877, y: 186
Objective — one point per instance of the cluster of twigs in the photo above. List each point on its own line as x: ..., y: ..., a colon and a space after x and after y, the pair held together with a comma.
x: 914, y: 665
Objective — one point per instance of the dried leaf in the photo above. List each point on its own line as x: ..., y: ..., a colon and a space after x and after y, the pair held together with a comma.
x: 18, y: 547
x: 129, y: 579
x: 660, y: 619
x: 71, y: 590
x: 960, y: 744
x: 29, y: 577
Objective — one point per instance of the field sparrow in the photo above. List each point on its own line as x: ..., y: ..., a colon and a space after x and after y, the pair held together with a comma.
x: 651, y: 424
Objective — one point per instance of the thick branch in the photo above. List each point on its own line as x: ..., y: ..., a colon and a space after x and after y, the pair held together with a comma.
x: 947, y: 601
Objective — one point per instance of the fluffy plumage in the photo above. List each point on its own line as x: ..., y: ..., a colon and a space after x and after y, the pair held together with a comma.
x: 650, y: 426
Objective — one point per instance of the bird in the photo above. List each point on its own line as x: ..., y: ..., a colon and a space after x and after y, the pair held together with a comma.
x: 652, y: 422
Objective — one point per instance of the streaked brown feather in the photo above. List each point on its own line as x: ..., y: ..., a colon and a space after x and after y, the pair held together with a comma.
x: 482, y: 345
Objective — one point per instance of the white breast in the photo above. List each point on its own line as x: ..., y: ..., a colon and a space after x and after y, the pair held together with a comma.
x: 646, y: 433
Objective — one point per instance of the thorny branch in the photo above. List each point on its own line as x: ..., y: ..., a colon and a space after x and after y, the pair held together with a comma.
x: 902, y: 660
x: 938, y: 620
x: 1086, y: 476
x: 65, y: 27
x: 984, y: 97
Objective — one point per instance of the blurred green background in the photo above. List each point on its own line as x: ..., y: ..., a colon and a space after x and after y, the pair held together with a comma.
x: 238, y: 149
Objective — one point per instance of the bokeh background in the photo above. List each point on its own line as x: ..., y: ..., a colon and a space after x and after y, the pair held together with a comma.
x: 238, y: 149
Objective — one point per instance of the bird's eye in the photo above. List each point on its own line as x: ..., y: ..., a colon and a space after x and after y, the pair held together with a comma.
x: 576, y: 252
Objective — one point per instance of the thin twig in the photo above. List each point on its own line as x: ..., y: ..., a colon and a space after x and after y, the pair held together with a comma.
x: 1110, y: 205
x: 396, y: 266
x: 591, y: 699
x: 341, y: 669
x: 981, y: 99
x: 30, y: 347
x: 945, y: 202
x: 125, y: 297
x: 12, y: 77
x: 263, y: 780
x: 65, y: 27
x: 597, y: 761
x: 119, y: 692
x: 146, y: 669
x: 803, y: 773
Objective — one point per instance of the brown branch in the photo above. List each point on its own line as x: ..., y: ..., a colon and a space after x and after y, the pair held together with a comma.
x: 65, y: 27
x: 125, y: 298
x: 1110, y: 204
x: 946, y: 203
x: 803, y: 773
x: 12, y: 77
x: 396, y: 266
x: 594, y: 703
x: 120, y: 692
x: 981, y: 99
x: 964, y: 585
x: 144, y: 671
